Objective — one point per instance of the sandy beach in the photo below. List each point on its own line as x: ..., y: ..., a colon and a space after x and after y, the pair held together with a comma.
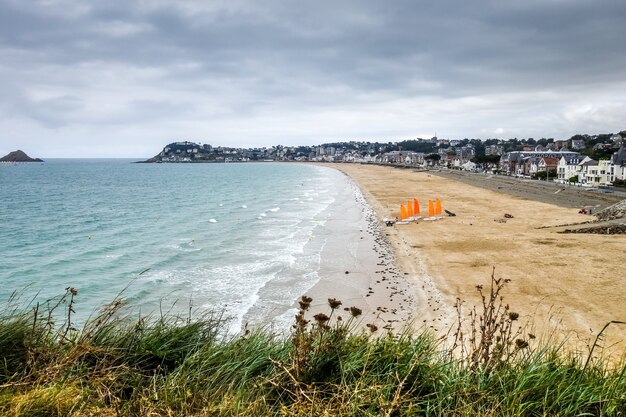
x: 568, y: 285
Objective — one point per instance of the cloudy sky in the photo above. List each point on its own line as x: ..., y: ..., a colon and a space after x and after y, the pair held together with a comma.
x: 115, y: 78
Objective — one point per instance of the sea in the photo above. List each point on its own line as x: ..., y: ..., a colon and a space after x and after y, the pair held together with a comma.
x: 237, y: 240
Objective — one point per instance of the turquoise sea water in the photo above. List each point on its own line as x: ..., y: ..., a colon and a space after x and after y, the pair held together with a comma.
x: 216, y: 234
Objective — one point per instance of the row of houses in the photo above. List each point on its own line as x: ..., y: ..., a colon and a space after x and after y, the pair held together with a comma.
x: 531, y: 163
x: 565, y: 167
x: 589, y: 172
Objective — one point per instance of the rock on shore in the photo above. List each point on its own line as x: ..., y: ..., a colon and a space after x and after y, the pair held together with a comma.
x: 19, y: 156
x: 616, y: 211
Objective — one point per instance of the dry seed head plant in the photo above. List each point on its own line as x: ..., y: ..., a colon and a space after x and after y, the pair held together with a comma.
x: 117, y: 365
x: 491, y: 338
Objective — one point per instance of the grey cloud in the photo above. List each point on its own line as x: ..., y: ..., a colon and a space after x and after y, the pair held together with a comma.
x: 334, y: 45
x: 241, y: 58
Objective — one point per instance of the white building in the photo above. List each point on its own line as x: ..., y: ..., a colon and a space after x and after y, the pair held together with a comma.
x: 456, y: 162
x: 469, y: 166
x: 494, y: 150
x: 568, y: 167
x: 595, y: 173
x: 578, y: 144
x: 617, y: 139
x: 414, y: 158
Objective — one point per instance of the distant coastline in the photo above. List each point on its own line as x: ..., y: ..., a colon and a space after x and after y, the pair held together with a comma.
x: 587, y: 161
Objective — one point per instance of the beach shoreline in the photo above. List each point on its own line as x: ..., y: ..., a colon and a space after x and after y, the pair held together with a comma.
x: 359, y: 269
x: 347, y: 258
x: 570, y: 285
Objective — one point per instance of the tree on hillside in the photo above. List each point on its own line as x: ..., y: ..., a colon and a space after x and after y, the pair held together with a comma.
x: 416, y: 146
x: 484, y: 159
x: 598, y: 154
x: 479, y: 148
x: 544, y: 141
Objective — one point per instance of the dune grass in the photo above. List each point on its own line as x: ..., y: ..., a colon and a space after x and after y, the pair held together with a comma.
x: 171, y: 366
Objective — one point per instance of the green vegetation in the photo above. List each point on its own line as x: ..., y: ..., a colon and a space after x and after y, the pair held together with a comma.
x: 620, y: 183
x: 417, y: 146
x: 433, y: 157
x: 163, y: 366
x: 487, y: 159
x: 598, y: 154
x: 545, y: 175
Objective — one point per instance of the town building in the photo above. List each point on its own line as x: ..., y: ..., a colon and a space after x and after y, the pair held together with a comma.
x: 595, y: 173
x: 494, y: 150
x: 549, y: 166
x: 568, y: 167
x: 618, y: 165
x: 577, y: 144
x: 512, y: 163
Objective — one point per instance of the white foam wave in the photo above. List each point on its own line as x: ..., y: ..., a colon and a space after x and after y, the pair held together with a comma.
x: 275, y: 209
x: 185, y: 247
x: 212, y: 221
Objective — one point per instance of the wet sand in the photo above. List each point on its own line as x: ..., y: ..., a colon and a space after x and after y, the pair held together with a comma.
x: 568, y: 285
x: 357, y: 268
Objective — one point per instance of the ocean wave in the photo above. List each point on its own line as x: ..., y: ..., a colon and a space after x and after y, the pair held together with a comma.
x: 184, y: 247
x: 226, y: 265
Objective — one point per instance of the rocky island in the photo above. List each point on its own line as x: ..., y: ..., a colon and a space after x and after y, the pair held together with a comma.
x: 19, y: 156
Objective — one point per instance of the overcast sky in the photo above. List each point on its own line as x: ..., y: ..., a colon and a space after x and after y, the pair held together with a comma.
x: 124, y: 78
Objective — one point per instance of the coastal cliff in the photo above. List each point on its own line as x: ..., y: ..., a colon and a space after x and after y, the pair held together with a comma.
x: 19, y: 156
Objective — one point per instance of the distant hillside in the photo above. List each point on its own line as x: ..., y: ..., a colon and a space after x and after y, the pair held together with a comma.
x: 19, y: 156
x: 186, y: 152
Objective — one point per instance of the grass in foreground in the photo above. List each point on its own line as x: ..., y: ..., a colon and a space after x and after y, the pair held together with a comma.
x: 168, y: 367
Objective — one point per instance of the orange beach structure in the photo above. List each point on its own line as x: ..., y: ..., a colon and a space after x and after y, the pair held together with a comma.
x: 411, y: 210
